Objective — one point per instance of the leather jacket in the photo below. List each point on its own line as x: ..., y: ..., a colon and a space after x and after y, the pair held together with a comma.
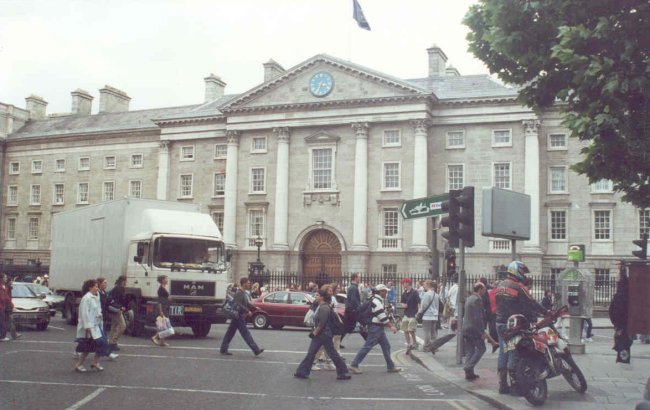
x: 514, y: 298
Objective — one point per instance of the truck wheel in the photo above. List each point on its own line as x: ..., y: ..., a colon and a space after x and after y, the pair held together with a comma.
x: 69, y: 311
x: 42, y: 325
x: 201, y: 329
x: 134, y: 326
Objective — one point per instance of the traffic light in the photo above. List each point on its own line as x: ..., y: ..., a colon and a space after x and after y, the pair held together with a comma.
x: 466, y: 216
x: 643, y: 243
x: 451, y: 221
x: 450, y: 256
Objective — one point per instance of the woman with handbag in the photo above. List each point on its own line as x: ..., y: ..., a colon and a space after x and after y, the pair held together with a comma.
x: 163, y: 308
x: 428, y: 314
x: 89, y: 333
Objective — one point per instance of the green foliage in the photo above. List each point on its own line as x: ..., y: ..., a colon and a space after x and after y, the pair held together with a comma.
x: 590, y: 59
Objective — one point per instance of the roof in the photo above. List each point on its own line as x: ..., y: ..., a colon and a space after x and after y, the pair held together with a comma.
x: 463, y: 87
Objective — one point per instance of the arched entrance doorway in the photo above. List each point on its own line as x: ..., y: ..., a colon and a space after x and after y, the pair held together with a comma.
x: 321, y: 256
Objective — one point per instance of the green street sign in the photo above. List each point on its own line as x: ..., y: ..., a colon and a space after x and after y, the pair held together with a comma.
x: 423, y: 207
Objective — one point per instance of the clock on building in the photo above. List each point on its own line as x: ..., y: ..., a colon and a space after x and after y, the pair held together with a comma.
x: 321, y: 84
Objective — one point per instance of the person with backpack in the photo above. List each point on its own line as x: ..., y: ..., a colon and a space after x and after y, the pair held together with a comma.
x: 428, y: 312
x: 376, y: 321
x: 239, y: 323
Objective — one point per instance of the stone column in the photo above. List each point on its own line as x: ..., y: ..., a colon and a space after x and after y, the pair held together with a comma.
x: 531, y: 180
x: 360, y: 227
x: 230, y: 194
x: 281, y: 190
x: 420, y: 170
x: 163, y: 170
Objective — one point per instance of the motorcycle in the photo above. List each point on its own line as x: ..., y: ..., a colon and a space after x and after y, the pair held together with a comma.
x: 543, y: 354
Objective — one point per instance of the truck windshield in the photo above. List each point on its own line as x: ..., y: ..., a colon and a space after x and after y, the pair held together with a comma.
x: 184, y: 254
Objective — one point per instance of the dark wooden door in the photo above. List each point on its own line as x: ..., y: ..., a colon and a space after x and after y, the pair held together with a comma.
x: 322, y: 254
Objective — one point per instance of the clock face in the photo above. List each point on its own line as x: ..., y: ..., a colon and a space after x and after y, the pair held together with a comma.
x: 321, y: 84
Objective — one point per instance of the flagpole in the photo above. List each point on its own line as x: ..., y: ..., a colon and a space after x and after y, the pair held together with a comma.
x: 350, y: 41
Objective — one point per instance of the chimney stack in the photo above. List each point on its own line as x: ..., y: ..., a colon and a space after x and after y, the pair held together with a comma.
x: 272, y: 70
x: 437, y: 61
x: 113, y: 100
x: 214, y: 87
x: 82, y: 102
x: 36, y: 106
x: 452, y: 71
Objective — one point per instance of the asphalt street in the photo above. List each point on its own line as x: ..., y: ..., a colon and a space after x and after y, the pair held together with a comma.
x: 36, y: 372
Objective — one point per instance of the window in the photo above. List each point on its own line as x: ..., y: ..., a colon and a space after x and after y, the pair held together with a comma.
x: 558, y: 180
x: 499, y: 245
x: 37, y: 167
x: 455, y: 177
x: 502, y: 138
x: 14, y: 168
x: 137, y: 160
x: 33, y: 229
x: 322, y: 168
x: 390, y: 176
x: 644, y: 222
x: 220, y: 151
x: 135, y: 189
x: 186, y: 186
x: 84, y: 163
x: 388, y: 270
x: 82, y: 193
x: 558, y: 224
x: 108, y: 192
x: 59, y: 165
x: 601, y: 278
x: 602, y: 225
x: 502, y: 176
x: 392, y: 138
x: 12, y: 196
x: 258, y: 181
x: 456, y: 139
x: 219, y: 184
x: 390, y: 235
x: 217, y: 217
x: 255, y: 225
x: 35, y: 196
x: 557, y: 141
x: 258, y: 145
x: 109, y: 162
x: 187, y: 153
x: 11, y: 229
x: 602, y: 186
x: 59, y: 191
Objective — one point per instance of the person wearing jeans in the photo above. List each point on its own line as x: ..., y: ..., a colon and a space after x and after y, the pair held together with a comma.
x: 429, y: 311
x: 474, y: 330
x: 244, y: 306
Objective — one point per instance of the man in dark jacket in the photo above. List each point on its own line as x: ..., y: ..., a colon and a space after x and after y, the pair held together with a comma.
x: 352, y: 303
x: 474, y: 330
x: 116, y: 309
x: 245, y: 309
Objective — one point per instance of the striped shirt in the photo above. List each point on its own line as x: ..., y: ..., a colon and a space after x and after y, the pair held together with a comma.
x: 379, y: 315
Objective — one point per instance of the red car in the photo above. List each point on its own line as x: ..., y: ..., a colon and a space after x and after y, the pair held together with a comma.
x: 284, y: 308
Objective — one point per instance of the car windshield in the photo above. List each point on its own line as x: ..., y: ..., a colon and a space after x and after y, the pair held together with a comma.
x: 21, y: 291
x: 188, y: 253
x: 39, y: 289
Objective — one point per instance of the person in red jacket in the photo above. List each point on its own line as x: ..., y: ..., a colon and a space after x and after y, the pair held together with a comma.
x: 6, y: 307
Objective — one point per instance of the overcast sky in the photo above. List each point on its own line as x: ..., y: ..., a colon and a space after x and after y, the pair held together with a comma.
x: 159, y: 51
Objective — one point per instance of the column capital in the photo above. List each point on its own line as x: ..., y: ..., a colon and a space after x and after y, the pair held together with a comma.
x: 164, y: 146
x: 232, y: 137
x: 531, y: 127
x: 360, y: 129
x: 421, y: 126
x: 282, y: 133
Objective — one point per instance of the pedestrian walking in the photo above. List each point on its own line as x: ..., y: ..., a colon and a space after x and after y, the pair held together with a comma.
x: 321, y: 337
x: 6, y: 306
x: 244, y: 307
x: 473, y: 331
x: 163, y: 307
x: 89, y: 333
x: 410, y: 303
x: 12, y: 325
x: 376, y: 334
x: 428, y: 310
x: 352, y: 303
x: 116, y: 309
x: 102, y: 285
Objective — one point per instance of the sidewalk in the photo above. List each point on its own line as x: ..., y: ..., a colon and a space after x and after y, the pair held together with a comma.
x: 611, y: 385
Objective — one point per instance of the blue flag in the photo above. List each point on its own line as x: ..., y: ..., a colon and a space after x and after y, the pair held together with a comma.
x: 357, y: 14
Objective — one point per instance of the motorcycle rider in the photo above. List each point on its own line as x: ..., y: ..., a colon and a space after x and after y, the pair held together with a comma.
x: 512, y: 297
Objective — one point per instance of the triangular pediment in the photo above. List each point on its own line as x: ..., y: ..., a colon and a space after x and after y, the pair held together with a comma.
x: 322, y: 137
x: 350, y: 82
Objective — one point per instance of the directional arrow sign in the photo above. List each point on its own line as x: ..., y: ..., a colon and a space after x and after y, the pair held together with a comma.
x: 423, y: 207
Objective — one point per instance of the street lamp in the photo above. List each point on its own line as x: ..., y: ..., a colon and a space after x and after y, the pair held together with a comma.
x: 258, y: 242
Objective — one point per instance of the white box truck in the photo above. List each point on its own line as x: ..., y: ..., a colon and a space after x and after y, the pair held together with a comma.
x: 142, y: 239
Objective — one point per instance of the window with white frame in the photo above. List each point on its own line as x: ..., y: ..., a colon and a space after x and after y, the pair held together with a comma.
x: 501, y: 138
x: 84, y: 164
x: 392, y: 138
x: 185, y: 185
x: 14, y: 168
x: 499, y: 245
x: 82, y: 193
x: 11, y: 229
x: 322, y: 161
x: 256, y: 222
x: 33, y: 229
x: 558, y: 229
x: 12, y: 195
x: 602, y: 186
x: 455, y: 176
x: 557, y: 180
x: 187, y: 153
x: 59, y: 194
x: 37, y: 167
x: 59, y: 165
x: 644, y: 222
x: 220, y: 151
x: 258, y: 145
x: 391, y: 176
x: 258, y: 179
x: 217, y: 217
x: 602, y: 225
x: 108, y: 191
x: 502, y: 175
x: 602, y: 278
x: 557, y: 142
x: 137, y: 160
x: 135, y: 188
x: 35, y: 195
x: 390, y: 230
x: 219, y: 184
x: 455, y: 139
x: 389, y: 269
x: 109, y: 162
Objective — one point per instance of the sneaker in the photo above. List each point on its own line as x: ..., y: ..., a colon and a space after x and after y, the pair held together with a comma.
x: 329, y: 367
x: 6, y: 339
x: 113, y: 356
x: 18, y: 336
x: 394, y: 370
x: 354, y: 370
x: 589, y: 339
x: 316, y: 367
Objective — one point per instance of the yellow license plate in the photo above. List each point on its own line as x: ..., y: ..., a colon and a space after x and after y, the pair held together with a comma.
x: 194, y: 309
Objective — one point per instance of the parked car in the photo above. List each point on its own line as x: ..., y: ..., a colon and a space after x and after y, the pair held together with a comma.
x: 284, y: 308
x: 54, y: 301
x: 29, y: 309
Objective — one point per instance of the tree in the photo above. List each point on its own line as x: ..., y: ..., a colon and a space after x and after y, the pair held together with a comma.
x: 588, y: 58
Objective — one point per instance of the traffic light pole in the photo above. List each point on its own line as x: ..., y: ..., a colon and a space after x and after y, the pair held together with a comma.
x: 435, y: 255
x: 460, y: 304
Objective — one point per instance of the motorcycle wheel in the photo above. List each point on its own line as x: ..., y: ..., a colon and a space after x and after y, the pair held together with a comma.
x: 535, y: 391
x: 572, y: 373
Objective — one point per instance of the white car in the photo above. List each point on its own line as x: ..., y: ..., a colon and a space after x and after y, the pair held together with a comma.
x: 29, y: 309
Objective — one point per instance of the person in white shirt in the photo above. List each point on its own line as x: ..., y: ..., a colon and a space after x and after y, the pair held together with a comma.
x: 429, y: 312
x: 88, y: 326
